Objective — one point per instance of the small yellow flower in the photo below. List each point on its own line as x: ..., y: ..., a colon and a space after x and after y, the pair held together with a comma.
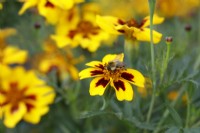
x: 50, y: 9
x: 53, y: 59
x: 23, y: 96
x: 131, y: 28
x: 112, y: 71
x: 80, y: 29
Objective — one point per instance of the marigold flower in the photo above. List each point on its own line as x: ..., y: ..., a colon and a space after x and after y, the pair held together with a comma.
x: 64, y: 62
x: 131, y: 29
x: 50, y: 9
x: 112, y: 71
x: 23, y: 96
x: 172, y: 95
x: 80, y: 30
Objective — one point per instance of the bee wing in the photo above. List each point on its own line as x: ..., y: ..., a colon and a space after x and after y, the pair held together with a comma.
x: 119, y: 57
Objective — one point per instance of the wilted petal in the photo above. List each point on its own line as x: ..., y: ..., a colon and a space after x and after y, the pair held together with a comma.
x: 90, y: 72
x: 134, y: 76
x: 98, y: 86
x: 144, y: 35
x: 123, y: 90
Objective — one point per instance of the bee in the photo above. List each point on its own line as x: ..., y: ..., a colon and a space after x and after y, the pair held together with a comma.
x: 115, y: 64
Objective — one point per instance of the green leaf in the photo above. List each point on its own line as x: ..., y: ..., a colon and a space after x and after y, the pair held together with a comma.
x: 173, y: 130
x: 175, y: 115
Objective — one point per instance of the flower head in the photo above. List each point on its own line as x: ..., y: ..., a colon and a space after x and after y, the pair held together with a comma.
x: 23, y: 96
x: 131, y: 28
x: 79, y: 29
x: 112, y: 71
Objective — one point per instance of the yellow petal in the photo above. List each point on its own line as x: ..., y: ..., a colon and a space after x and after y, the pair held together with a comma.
x: 28, y: 4
x: 12, y: 117
x: 111, y: 57
x: 14, y: 55
x: 144, y: 35
x: 123, y: 90
x: 63, y: 3
x: 94, y: 64
x: 134, y: 76
x: 61, y: 41
x: 73, y: 72
x: 34, y: 115
x: 108, y: 23
x: 98, y: 86
x: 156, y: 20
x: 90, y: 72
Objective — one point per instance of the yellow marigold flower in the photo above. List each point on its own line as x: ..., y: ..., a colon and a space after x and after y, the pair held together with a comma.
x: 1, y: 6
x: 50, y: 9
x: 112, y: 71
x: 84, y: 32
x: 23, y: 96
x: 131, y: 28
x: 63, y: 63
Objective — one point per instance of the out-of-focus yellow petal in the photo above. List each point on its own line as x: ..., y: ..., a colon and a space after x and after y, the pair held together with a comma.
x: 123, y: 90
x: 14, y: 55
x: 90, y: 72
x: 61, y: 41
x: 156, y: 20
x: 111, y: 57
x: 27, y: 4
x: 12, y: 117
x: 5, y: 71
x: 108, y: 23
x: 98, y: 86
x: 1, y: 6
x: 63, y: 3
x: 34, y: 116
x: 134, y: 76
x: 73, y: 72
x: 144, y: 35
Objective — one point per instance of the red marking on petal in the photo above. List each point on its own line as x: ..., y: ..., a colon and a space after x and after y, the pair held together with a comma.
x: 119, y: 84
x: 49, y: 4
x: 127, y: 76
x: 142, y: 23
x: 14, y: 108
x: 121, y: 31
x: 100, y: 66
x: 32, y: 97
x: 121, y: 22
x: 29, y: 107
x: 102, y: 82
x: 96, y: 72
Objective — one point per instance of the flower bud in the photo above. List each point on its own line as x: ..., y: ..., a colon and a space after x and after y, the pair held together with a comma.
x: 168, y: 39
x: 188, y: 27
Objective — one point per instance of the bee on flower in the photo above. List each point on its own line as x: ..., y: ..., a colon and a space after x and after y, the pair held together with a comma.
x: 23, y: 96
x: 112, y: 71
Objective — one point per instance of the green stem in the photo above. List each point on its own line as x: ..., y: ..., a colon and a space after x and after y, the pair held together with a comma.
x: 166, y: 60
x: 151, y: 8
x: 188, y: 110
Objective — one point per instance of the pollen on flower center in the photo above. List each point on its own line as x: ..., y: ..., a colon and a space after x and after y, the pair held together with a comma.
x: 114, y: 74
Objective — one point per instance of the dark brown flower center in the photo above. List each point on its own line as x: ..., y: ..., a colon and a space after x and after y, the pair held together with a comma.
x: 85, y: 28
x: 14, y: 95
